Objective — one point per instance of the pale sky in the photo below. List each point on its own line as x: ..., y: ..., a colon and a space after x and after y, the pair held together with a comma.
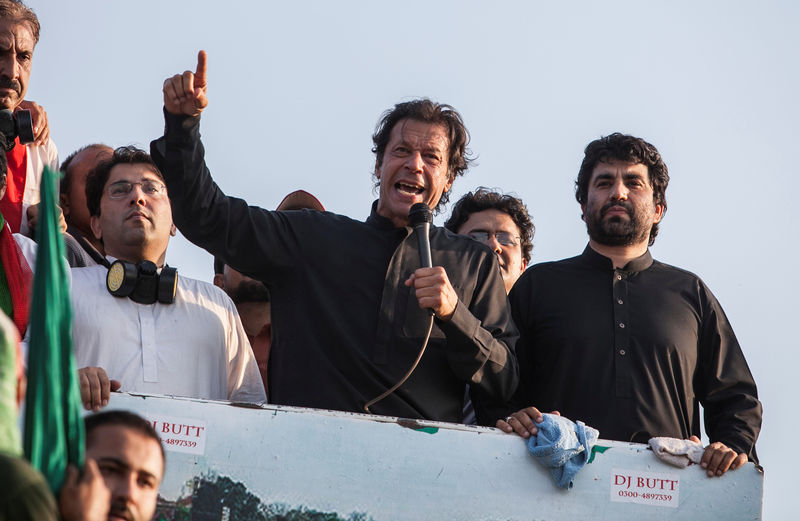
x: 296, y: 88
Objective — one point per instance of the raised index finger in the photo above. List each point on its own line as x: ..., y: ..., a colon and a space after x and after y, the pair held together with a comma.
x: 202, y: 70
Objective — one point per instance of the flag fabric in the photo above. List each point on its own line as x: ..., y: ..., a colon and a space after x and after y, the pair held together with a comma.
x: 53, y: 424
x: 9, y: 363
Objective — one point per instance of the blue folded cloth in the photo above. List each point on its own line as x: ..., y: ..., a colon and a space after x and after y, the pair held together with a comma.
x: 563, y: 446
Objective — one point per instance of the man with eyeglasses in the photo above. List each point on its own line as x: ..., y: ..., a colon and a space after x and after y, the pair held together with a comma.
x: 351, y: 304
x: 502, y: 223
x: 499, y: 221
x: 137, y: 328
x: 627, y: 344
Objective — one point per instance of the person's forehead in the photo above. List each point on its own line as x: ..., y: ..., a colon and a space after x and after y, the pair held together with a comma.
x: 87, y: 159
x: 132, y: 172
x: 17, y: 31
x: 92, y: 155
x: 489, y: 220
x: 618, y: 166
x: 134, y: 449
x: 420, y: 133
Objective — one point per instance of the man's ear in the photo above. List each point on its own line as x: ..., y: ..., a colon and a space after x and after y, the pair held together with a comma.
x: 583, y: 211
x: 63, y: 201
x: 219, y: 280
x: 377, y: 170
x: 97, y: 230
x: 172, y: 230
x: 659, y: 213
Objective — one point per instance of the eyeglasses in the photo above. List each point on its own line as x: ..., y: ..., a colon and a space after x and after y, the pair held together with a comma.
x: 121, y: 189
x: 504, y: 238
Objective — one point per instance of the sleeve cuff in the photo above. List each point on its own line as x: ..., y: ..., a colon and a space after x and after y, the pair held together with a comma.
x: 179, y: 129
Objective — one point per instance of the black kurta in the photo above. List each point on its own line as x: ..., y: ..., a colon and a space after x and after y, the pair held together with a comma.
x: 631, y: 351
x: 345, y: 327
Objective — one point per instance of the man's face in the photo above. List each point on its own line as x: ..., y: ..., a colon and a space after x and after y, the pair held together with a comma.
x: 132, y: 467
x: 73, y: 202
x: 413, y: 170
x: 16, y: 57
x: 242, y: 289
x: 619, y: 208
x: 136, y: 226
x: 491, y: 222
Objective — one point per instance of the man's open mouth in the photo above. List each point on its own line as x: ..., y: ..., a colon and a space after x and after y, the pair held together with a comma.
x: 411, y: 189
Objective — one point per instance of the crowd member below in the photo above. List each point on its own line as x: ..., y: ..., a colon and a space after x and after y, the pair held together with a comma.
x: 170, y: 335
x: 627, y: 344
x: 130, y: 458
x: 349, y: 300
x: 502, y: 223
x: 75, y: 170
x: 19, y: 34
x: 252, y: 296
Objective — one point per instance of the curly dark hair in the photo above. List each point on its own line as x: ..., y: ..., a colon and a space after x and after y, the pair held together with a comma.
x: 427, y: 111
x: 97, y: 178
x: 486, y: 199
x: 622, y: 147
x: 121, y: 418
x: 19, y: 12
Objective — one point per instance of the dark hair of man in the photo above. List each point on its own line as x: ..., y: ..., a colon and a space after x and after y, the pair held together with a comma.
x: 219, y: 266
x: 630, y: 149
x: 124, y: 419
x: 427, y: 111
x: 66, y: 178
x: 97, y: 178
x: 19, y: 12
x: 485, y: 199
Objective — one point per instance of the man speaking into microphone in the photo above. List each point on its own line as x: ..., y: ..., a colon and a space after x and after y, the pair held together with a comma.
x: 350, y: 300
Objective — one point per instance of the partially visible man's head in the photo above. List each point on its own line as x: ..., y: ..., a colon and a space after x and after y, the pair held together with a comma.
x: 19, y: 33
x: 131, y: 459
x: 500, y: 221
x: 243, y: 289
x: 76, y: 169
x: 129, y: 207
x: 240, y: 288
x: 624, y: 152
x: 420, y: 148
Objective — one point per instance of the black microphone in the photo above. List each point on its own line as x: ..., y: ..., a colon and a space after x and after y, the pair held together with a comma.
x: 420, y: 218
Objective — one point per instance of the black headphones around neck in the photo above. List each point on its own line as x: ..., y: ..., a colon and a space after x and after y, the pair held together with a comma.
x: 141, y: 282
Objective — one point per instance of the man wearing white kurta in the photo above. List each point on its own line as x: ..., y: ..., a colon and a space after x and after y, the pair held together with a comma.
x: 195, y: 346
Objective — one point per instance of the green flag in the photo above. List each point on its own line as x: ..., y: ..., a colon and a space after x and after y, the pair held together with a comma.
x: 53, y: 424
x: 9, y: 423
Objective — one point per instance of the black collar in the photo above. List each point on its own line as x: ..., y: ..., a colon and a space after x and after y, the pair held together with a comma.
x: 379, y: 221
x: 600, y: 261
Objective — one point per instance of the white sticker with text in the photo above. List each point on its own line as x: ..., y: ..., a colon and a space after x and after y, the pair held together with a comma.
x: 181, y: 434
x: 647, y: 488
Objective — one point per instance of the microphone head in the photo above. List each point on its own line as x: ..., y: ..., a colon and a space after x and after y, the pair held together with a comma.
x: 419, y: 214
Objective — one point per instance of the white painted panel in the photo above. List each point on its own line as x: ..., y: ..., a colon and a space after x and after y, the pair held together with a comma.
x: 388, y: 469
